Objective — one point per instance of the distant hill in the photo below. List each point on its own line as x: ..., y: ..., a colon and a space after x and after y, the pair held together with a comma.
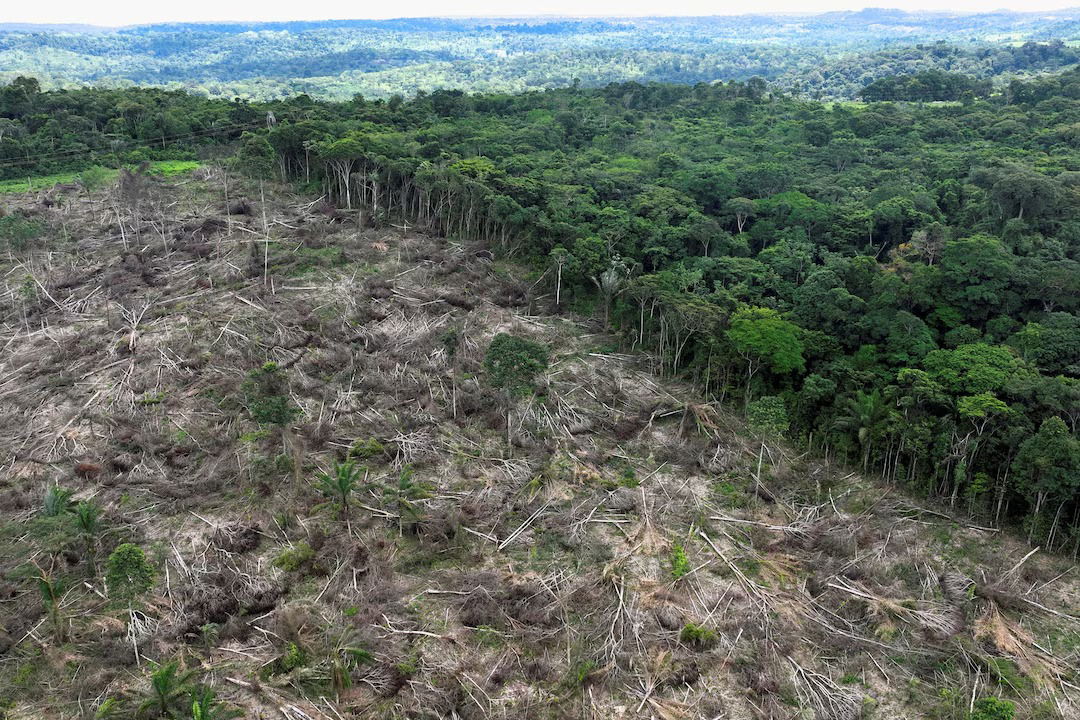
x: 52, y: 28
x: 831, y: 55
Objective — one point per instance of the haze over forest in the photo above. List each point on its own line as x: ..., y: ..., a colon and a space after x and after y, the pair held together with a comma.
x: 830, y: 56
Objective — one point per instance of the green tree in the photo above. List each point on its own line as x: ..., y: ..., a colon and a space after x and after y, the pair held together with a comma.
x: 1047, y: 468
x: 404, y: 497
x: 511, y: 364
x: 824, y: 303
x: 909, y: 340
x: 57, y: 501
x: 255, y: 156
x: 980, y: 409
x: 51, y: 595
x: 975, y: 273
x: 93, y: 179
x: 560, y: 258
x: 971, y: 369
x: 1052, y: 345
x: 762, y: 337
x: 864, y: 415
x: 741, y: 210
x: 610, y: 283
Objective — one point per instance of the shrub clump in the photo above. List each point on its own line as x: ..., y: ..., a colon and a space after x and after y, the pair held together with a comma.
x: 294, y: 558
x: 367, y: 449
x: 266, y: 396
x: 512, y: 363
x: 697, y: 636
x: 17, y: 231
x: 128, y: 573
x: 992, y: 708
x: 680, y: 564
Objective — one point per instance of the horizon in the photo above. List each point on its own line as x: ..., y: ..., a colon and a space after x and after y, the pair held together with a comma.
x: 117, y: 15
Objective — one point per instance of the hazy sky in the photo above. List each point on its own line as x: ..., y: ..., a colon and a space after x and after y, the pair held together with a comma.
x: 126, y: 12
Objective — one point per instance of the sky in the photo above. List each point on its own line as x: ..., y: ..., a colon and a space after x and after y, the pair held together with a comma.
x: 130, y: 12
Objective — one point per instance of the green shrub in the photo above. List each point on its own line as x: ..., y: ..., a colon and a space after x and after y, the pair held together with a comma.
x: 680, y: 564
x: 367, y: 449
x: 450, y: 341
x: 293, y: 657
x: 292, y: 559
x: 488, y: 636
x: 357, y: 656
x: 95, y: 177
x: 410, y: 665
x: 730, y: 495
x: 992, y: 708
x: 697, y: 636
x: 18, y: 231
x: 581, y: 672
x: 767, y: 415
x: 627, y: 476
x: 1046, y: 710
x: 512, y: 363
x: 266, y: 395
x: 1008, y: 675
x: 128, y: 573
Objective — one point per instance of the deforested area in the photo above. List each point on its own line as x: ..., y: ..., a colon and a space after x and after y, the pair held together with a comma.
x: 265, y: 456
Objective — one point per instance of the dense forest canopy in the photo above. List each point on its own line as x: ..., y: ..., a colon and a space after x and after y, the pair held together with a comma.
x: 832, y: 55
x: 896, y: 284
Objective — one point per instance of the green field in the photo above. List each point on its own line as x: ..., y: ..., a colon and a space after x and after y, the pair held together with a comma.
x: 163, y: 168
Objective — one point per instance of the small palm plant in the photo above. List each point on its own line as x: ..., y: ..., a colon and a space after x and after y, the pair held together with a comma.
x: 88, y: 520
x: 51, y: 594
x: 169, y: 686
x: 340, y: 484
x: 205, y: 706
x: 405, y: 496
x: 110, y: 709
x: 57, y: 501
x: 342, y: 663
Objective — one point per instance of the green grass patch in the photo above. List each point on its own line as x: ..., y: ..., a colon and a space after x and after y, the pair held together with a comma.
x: 305, y: 260
x: 730, y: 494
x: 169, y: 168
x: 162, y: 168
x: 36, y: 183
x: 580, y: 673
